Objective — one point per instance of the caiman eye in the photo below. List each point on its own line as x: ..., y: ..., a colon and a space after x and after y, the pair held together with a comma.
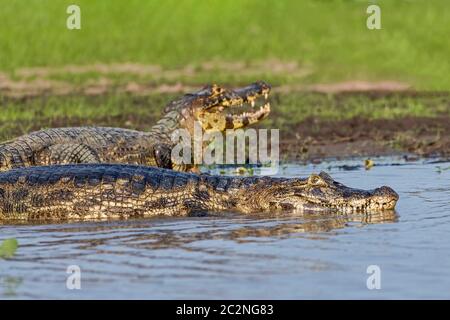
x: 217, y: 90
x: 315, y: 180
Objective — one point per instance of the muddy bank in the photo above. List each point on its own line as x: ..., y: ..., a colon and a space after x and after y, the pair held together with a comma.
x: 314, y: 139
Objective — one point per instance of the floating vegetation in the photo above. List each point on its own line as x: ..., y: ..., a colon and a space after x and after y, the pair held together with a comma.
x: 368, y: 164
x: 8, y: 248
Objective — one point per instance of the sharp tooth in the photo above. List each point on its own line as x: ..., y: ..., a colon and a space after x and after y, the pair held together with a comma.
x: 252, y: 103
x: 266, y: 95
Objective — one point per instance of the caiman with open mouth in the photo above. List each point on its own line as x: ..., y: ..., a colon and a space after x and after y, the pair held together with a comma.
x: 115, y: 191
x: 212, y: 107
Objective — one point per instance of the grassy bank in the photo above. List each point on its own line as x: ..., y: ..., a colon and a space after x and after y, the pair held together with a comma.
x: 328, y: 39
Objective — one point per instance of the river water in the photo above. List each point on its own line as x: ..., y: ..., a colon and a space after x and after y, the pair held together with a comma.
x: 407, y: 253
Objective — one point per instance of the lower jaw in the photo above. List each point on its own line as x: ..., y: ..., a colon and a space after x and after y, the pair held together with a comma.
x: 342, y: 209
x: 367, y: 209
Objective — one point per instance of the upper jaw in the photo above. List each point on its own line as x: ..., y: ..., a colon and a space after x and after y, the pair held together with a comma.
x: 254, y: 94
x: 254, y: 90
x: 347, y: 199
x: 379, y: 199
x: 226, y: 107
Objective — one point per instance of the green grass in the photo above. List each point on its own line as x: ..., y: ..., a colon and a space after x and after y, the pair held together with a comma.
x: 328, y: 37
x: 296, y: 107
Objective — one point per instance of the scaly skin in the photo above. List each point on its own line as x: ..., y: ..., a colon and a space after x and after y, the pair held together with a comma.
x: 107, y: 191
x: 117, y: 145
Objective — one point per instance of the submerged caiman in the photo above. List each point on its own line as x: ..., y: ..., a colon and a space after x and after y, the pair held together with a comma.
x: 106, y: 191
x: 212, y: 107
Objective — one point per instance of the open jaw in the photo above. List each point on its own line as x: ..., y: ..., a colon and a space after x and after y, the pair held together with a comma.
x: 233, y: 109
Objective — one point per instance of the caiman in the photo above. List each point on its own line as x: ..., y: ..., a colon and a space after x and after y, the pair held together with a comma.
x: 212, y: 107
x: 108, y: 191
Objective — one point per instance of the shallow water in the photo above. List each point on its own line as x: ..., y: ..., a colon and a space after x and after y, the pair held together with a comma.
x: 234, y: 256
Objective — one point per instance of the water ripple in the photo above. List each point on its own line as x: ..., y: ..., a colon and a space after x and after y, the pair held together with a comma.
x: 261, y: 256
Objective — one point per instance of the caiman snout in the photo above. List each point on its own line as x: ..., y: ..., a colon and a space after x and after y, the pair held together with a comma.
x: 384, y: 198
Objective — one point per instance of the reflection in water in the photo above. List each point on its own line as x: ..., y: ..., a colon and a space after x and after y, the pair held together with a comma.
x: 313, y: 225
x: 146, y: 234
x: 247, y: 232
x: 10, y: 286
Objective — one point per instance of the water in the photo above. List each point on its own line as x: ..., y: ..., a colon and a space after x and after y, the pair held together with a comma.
x: 234, y: 256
